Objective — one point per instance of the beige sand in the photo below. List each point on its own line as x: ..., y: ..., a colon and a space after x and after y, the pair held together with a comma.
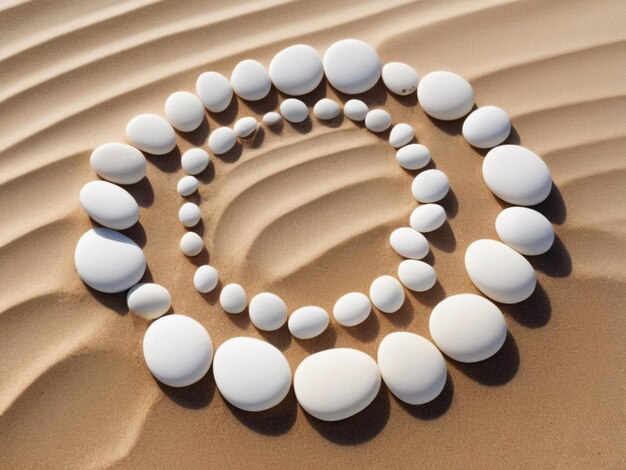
x: 306, y: 213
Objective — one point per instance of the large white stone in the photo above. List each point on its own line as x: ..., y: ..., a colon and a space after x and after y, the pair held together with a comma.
x: 233, y: 298
x: 401, y: 134
x: 245, y: 126
x: 294, y: 110
x: 352, y: 309
x: 308, y: 322
x: 409, y: 243
x: 205, y: 279
x: 296, y: 70
x: 525, y: 230
x: 222, y: 140
x: 416, y: 275
x: 430, y: 186
x: 118, y: 163
x: 487, y: 127
x: 387, y: 294
x: 151, y: 133
x: 184, y: 111
x: 268, y: 312
x: 250, y: 80
x: 445, y: 95
x: 109, y: 205
x: 214, y: 91
x: 352, y: 66
x: 189, y: 214
x: 427, y: 217
x: 191, y: 244
x: 356, y: 110
x: 400, y: 78
x: 326, y: 109
x: 148, y: 300
x: 195, y: 160
x: 378, y: 120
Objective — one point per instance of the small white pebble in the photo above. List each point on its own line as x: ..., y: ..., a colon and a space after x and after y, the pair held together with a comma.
x: 416, y: 275
x: 387, y: 294
x: 194, y: 160
x: 294, y: 110
x: 187, y: 185
x: 401, y: 134
x: 413, y: 156
x: 222, y: 140
x: 184, y: 111
x: 326, y: 109
x: 205, y: 279
x: 245, y: 126
x: 430, y: 186
x: 191, y: 244
x: 378, y: 120
x: 272, y: 118
x: 427, y: 217
x: 189, y: 214
x: 233, y: 298
x: 355, y: 110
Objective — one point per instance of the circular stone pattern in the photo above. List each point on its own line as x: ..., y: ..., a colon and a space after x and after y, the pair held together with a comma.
x: 400, y: 78
x: 233, y: 298
x: 427, y: 217
x: 417, y: 275
x: 413, y: 156
x: 430, y: 186
x: 109, y: 205
x: 487, y: 127
x: 467, y: 327
x: 352, y: 66
x: 250, y: 80
x: 525, y: 230
x: 387, y: 294
x: 409, y: 243
x: 268, y: 312
x: 118, y: 163
x: 151, y: 133
x: 214, y: 91
x: 296, y: 70
x: 308, y: 322
x: 352, y: 309
x: 184, y: 111
x: 337, y: 383
x: 251, y: 374
x: 205, y: 279
x: 178, y: 350
x: 445, y: 95
x: 148, y: 300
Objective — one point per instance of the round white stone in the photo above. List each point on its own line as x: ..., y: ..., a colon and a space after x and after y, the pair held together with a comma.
x: 184, y: 111
x: 326, y: 109
x: 308, y: 322
x: 108, y: 261
x: 412, y: 367
x: 195, y: 160
x: 445, y: 95
x: 191, y: 244
x: 337, y: 383
x: 401, y: 134
x: 251, y: 374
x: 245, y: 126
x: 272, y: 118
x: 222, y: 140
x: 378, y: 120
x: 467, y: 327
x: 233, y: 298
x: 250, y: 80
x: 214, y: 91
x: 413, y: 156
x: 268, y: 312
x: 352, y: 66
x: 296, y: 70
x: 148, y: 300
x: 151, y: 133
x: 430, y: 186
x: 427, y: 217
x: 525, y: 230
x: 109, y: 205
x: 187, y: 185
x: 487, y: 127
x: 416, y: 275
x: 178, y: 350
x: 189, y: 214
x: 355, y: 110
x: 118, y: 163
x: 294, y: 110
x: 205, y: 279
x: 400, y: 78
x: 499, y: 271
x: 352, y: 309
x: 387, y: 294
x: 409, y: 243
x: 517, y: 175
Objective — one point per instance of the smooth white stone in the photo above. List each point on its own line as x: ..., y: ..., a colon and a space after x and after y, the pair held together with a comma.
x: 184, y: 111
x: 233, y: 298
x: 191, y: 244
x: 409, y: 243
x: 195, y: 160
x: 189, y: 214
x: 250, y: 80
x: 445, y: 95
x: 178, y: 350
x: 355, y: 110
x: 308, y: 322
x: 272, y: 118
x: 427, y: 217
x: 268, y: 312
x: 148, y: 300
x: 245, y: 126
x: 326, y: 109
x: 118, y: 163
x: 412, y: 367
x: 499, y: 271
x: 416, y: 275
x: 251, y: 374
x: 525, y: 230
x: 400, y: 78
x: 108, y: 261
x: 387, y: 294
x: 413, y: 156
x: 352, y: 309
x: 109, y: 205
x: 337, y: 383
x: 187, y: 185
x: 296, y: 70
x: 430, y: 186
x: 222, y: 140
x: 352, y: 66
x: 467, y: 327
x: 401, y: 134
x: 517, y: 175
x: 294, y: 110
x: 151, y: 133
x: 214, y: 91
x: 205, y: 279
x: 378, y: 120
x: 487, y: 127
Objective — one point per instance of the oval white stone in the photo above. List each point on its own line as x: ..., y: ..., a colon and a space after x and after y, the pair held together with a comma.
x: 445, y: 95
x: 191, y: 244
x: 178, y: 350
x: 214, y: 91
x: 412, y: 367
x: 525, y: 230
x: 416, y: 275
x: 352, y: 309
x: 195, y: 160
x: 487, y: 127
x: 387, y: 294
x: 378, y: 120
x: 250, y: 80
x: 308, y: 322
x: 109, y: 205
x: 268, y: 312
x: 430, y: 186
x: 336, y: 384
x: 294, y: 110
x: 148, y: 300
x: 184, y: 111
x: 499, y: 272
x: 189, y: 214
x: 355, y: 110
x: 272, y: 118
x: 296, y: 70
x: 517, y: 175
x: 233, y: 298
x: 409, y: 243
x: 187, y: 185
x: 427, y: 217
x: 245, y: 126
x: 205, y: 278
x: 400, y: 78
x: 352, y: 66
x: 151, y: 133
x: 467, y: 327
x: 222, y: 140
x: 401, y: 134
x: 108, y: 261
x: 326, y: 109
x: 118, y: 163
x: 413, y: 156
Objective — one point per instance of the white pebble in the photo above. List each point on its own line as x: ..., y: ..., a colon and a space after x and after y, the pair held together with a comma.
x: 326, y: 109
x: 151, y: 133
x: 214, y: 91
x: 187, y: 185
x: 387, y: 294
x: 245, y: 126
x: 272, y: 118
x: 445, y: 95
x: 416, y: 275
x: 296, y: 70
x: 401, y: 134
x: 487, y: 127
x: 205, y: 279
x: 233, y: 298
x: 189, y: 214
x: 352, y: 66
x: 308, y: 322
x: 525, y: 230
x: 430, y: 186
x: 250, y: 80
x: 148, y: 300
x: 352, y: 309
x: 184, y: 111
x: 294, y: 110
x: 427, y: 217
x: 195, y: 160
x: 413, y: 156
x: 356, y: 110
x: 109, y: 205
x: 268, y: 312
x: 378, y: 120
x: 409, y: 243
x: 191, y: 244
x: 400, y: 78
x: 118, y: 163
x: 222, y: 140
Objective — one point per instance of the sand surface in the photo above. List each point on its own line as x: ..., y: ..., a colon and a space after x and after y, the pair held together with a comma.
x: 306, y: 212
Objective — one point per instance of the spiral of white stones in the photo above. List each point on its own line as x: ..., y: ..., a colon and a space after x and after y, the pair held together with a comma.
x: 337, y: 383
